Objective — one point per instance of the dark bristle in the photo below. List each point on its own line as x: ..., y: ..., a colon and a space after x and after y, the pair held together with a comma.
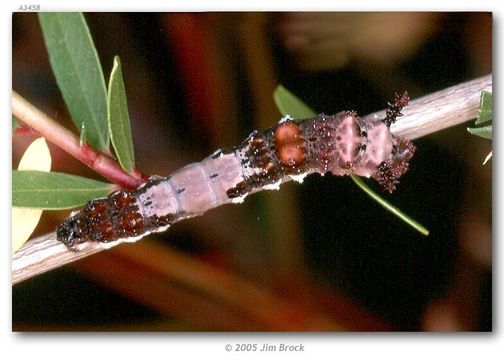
x: 394, y: 109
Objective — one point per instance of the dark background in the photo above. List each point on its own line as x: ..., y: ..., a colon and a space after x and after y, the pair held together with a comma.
x: 332, y: 257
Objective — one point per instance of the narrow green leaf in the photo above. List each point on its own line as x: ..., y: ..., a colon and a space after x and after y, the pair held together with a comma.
x: 289, y: 104
x: 54, y: 191
x: 118, y: 119
x: 485, y: 109
x: 484, y: 131
x: 394, y: 210
x: 78, y: 72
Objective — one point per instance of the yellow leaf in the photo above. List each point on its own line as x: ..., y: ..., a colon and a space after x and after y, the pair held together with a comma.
x: 25, y: 220
x: 36, y: 157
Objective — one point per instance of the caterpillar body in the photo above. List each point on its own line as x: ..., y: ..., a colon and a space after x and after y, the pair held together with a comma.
x: 340, y: 144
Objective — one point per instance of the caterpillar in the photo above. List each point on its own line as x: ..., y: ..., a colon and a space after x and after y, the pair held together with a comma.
x: 340, y: 144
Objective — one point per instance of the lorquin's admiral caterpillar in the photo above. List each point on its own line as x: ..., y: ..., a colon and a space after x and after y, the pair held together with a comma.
x: 341, y: 144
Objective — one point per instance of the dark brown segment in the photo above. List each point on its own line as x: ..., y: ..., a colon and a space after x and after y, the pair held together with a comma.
x: 289, y: 148
x: 96, y: 220
x: 239, y: 190
x: 319, y: 145
x: 104, y: 220
x: 258, y: 151
x: 261, y: 159
x: 125, y: 215
x: 156, y: 222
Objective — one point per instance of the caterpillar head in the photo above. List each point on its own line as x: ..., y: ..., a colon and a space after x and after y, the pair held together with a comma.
x: 68, y: 232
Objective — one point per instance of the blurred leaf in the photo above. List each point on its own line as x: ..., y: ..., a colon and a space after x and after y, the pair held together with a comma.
x: 118, y: 119
x: 484, y: 132
x: 36, y: 156
x: 54, y: 191
x: 78, y: 72
x: 24, y: 221
x: 15, y: 123
x: 290, y: 104
x: 485, y: 109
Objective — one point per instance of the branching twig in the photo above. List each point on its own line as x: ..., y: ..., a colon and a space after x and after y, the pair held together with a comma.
x: 426, y: 115
x: 58, y: 135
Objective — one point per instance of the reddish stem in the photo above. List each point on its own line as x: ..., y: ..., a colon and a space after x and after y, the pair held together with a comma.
x: 70, y: 142
x: 24, y: 129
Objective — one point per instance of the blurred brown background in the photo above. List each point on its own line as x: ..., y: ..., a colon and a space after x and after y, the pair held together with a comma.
x: 320, y: 256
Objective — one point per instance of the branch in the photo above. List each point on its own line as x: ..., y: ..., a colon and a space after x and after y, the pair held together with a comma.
x: 42, y: 254
x: 60, y: 136
x: 440, y: 110
x: 426, y: 115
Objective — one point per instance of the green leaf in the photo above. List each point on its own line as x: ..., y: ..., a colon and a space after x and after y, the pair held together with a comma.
x: 394, y: 210
x: 118, y: 119
x: 289, y: 104
x: 78, y: 72
x: 54, y: 191
x: 484, y: 115
x: 485, y: 109
x: 484, y: 131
